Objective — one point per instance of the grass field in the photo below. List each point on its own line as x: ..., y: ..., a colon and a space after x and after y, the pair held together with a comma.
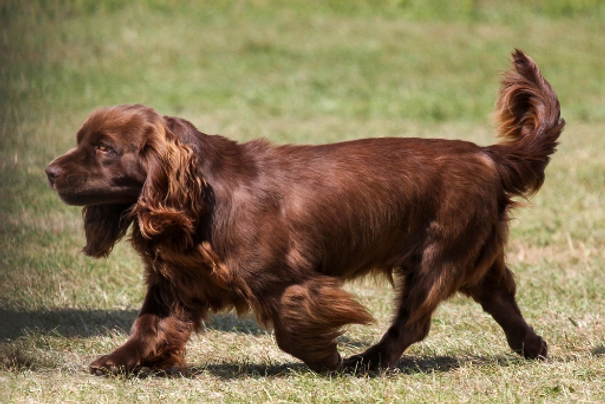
x: 311, y: 72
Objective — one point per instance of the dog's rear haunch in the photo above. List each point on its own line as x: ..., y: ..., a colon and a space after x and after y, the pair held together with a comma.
x: 276, y: 230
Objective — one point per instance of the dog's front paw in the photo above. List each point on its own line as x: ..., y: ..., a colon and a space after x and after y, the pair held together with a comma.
x: 119, y: 362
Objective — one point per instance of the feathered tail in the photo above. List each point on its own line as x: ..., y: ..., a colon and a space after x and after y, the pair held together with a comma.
x: 528, y: 117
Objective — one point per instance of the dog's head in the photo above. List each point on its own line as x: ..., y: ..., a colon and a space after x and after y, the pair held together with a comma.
x: 130, y: 163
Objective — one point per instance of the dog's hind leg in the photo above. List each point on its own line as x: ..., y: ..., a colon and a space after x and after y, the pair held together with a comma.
x: 421, y: 294
x: 496, y: 294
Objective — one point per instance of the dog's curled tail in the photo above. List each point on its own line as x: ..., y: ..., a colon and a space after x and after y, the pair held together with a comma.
x: 529, y: 123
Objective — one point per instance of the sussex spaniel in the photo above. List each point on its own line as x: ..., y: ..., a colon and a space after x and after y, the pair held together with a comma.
x: 276, y: 230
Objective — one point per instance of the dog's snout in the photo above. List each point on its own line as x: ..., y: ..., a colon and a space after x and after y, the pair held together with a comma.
x: 53, y: 172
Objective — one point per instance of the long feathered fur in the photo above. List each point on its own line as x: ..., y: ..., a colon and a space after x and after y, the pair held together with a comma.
x: 529, y: 123
x: 172, y: 199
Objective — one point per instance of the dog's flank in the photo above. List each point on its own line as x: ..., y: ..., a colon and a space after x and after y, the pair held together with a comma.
x: 278, y: 229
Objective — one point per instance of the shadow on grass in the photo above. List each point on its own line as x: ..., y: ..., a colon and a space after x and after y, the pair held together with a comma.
x: 599, y: 351
x: 407, y: 365
x: 429, y: 364
x: 89, y: 323
x: 65, y: 322
x: 229, y: 322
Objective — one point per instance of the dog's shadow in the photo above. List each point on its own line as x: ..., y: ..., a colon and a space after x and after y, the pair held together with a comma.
x: 407, y: 365
x: 71, y: 323
x: 86, y: 323
x: 599, y: 350
x: 77, y: 323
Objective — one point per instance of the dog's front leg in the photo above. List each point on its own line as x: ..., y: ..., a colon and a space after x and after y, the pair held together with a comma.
x: 157, y: 338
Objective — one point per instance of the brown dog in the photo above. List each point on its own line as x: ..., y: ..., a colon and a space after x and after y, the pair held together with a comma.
x: 277, y: 229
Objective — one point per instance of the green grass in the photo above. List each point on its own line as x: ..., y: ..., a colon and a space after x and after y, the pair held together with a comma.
x: 311, y: 72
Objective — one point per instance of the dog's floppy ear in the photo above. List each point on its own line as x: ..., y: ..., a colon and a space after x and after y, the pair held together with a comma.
x: 104, y: 225
x: 171, y: 202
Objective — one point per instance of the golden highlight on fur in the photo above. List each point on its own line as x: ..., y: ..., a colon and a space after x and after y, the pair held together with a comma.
x: 277, y: 230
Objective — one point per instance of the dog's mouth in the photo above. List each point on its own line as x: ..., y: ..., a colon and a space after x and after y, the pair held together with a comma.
x: 80, y: 190
x: 61, y: 181
x: 99, y: 196
x: 74, y: 198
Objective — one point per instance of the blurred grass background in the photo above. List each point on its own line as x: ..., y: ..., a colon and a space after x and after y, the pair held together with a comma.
x: 301, y: 72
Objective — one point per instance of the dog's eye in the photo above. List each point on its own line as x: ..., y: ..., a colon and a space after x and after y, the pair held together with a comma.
x: 104, y: 148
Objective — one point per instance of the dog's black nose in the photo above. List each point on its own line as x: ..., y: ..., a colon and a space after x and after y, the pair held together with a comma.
x: 53, y: 172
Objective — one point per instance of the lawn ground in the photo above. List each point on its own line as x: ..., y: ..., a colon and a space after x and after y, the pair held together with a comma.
x: 312, y: 73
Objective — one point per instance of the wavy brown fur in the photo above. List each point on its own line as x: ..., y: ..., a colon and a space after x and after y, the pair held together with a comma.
x: 276, y: 230
x: 529, y: 122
